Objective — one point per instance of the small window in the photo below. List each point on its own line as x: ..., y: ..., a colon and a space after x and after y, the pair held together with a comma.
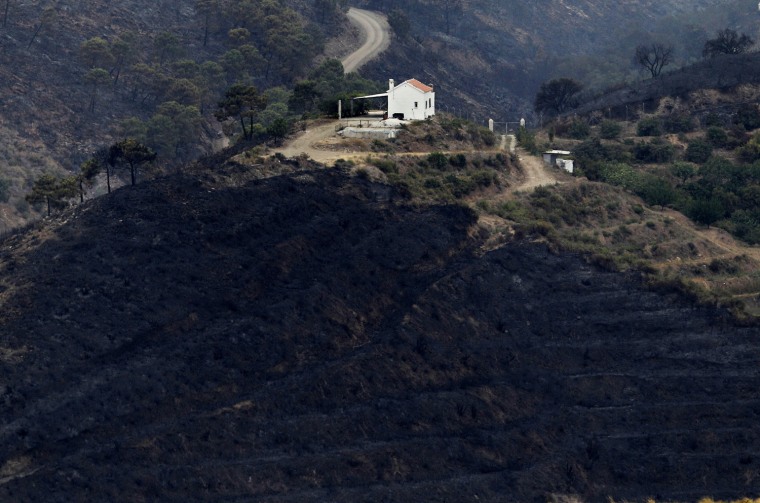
x: 415, y: 104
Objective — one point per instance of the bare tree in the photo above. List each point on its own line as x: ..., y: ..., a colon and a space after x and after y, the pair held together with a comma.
x: 654, y: 57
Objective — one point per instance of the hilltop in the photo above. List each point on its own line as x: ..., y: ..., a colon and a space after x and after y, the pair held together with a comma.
x: 233, y: 334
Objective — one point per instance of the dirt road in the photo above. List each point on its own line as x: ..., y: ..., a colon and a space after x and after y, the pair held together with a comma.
x: 307, y: 143
x: 535, y: 172
x: 378, y: 38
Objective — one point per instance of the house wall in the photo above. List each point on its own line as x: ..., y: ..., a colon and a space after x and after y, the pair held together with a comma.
x: 402, y: 99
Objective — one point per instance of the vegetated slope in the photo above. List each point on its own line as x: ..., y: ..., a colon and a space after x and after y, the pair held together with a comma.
x: 315, y: 337
x: 722, y: 73
x: 64, y: 103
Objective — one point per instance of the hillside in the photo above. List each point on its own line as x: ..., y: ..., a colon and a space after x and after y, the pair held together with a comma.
x: 78, y: 76
x: 489, y: 58
x: 316, y: 336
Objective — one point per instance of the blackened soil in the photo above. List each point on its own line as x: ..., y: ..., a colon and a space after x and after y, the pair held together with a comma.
x: 313, y: 338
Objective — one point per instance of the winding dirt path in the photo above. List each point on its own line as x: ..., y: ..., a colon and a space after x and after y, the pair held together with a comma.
x: 377, y: 37
x: 535, y: 172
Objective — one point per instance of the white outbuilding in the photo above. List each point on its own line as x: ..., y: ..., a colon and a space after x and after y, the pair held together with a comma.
x: 410, y: 100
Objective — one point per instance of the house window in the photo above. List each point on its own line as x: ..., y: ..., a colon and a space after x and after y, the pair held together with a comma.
x: 415, y: 104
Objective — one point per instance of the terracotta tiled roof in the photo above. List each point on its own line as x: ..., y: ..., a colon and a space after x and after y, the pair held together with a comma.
x: 419, y: 85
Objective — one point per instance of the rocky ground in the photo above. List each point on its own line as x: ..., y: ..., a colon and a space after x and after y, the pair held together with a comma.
x: 315, y: 337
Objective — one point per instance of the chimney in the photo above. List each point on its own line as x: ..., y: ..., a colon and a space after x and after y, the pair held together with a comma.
x: 391, y: 84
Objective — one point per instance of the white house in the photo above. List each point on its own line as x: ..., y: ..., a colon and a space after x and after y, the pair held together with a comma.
x: 410, y: 100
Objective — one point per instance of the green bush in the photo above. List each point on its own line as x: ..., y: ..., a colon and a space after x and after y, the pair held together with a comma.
x: 749, y: 117
x: 656, y: 192
x: 698, y: 151
x: 654, y: 152
x: 527, y: 140
x: 384, y: 165
x: 458, y: 160
x: 678, y: 123
x: 750, y: 152
x: 487, y: 137
x: 619, y: 174
x: 717, y: 136
x: 579, y: 130
x: 706, y: 211
x: 649, y: 126
x: 438, y: 160
x: 609, y: 130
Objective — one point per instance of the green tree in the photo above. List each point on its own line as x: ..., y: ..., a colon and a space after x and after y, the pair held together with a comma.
x: 53, y: 191
x: 238, y: 35
x: 167, y: 46
x: 86, y: 176
x: 683, y: 171
x: 48, y: 17
x: 173, y: 129
x: 399, y: 22
x: 557, y: 96
x: 278, y: 129
x: 131, y: 153
x: 184, y: 91
x: 727, y: 41
x: 656, y: 191
x: 243, y: 103
x: 95, y: 52
x: 706, y: 211
x: 95, y: 79
x: 123, y: 51
x: 205, y: 9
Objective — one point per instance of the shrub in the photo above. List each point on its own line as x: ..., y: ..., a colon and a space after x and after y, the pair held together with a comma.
x: 487, y: 137
x: 654, y: 152
x: 384, y: 165
x: 713, y: 120
x: 579, y: 130
x: 656, y: 192
x: 527, y: 140
x: 678, y: 123
x: 705, y: 211
x: 458, y: 161
x: 750, y: 152
x: 438, y: 160
x: 698, y: 151
x: 749, y: 117
x: 649, y: 126
x: 609, y: 130
x: 717, y: 136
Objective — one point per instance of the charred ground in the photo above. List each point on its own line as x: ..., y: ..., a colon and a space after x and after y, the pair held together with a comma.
x: 317, y: 337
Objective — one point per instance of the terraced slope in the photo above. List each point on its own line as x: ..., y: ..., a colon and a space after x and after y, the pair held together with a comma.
x: 313, y: 337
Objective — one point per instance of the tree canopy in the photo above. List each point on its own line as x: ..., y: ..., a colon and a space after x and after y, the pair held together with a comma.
x: 727, y: 42
x: 132, y: 153
x: 557, y: 96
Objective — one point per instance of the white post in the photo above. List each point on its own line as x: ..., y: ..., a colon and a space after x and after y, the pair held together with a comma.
x: 340, y: 109
x: 490, y: 124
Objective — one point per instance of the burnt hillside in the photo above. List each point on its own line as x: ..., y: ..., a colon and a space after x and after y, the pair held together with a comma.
x: 314, y: 337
